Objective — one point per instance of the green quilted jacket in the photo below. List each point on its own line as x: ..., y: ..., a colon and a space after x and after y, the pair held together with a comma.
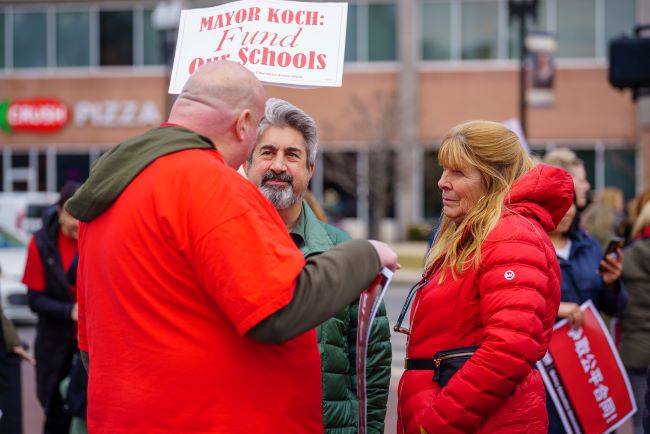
x: 337, y: 343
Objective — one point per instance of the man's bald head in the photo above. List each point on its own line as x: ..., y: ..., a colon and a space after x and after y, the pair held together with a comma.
x: 218, y: 101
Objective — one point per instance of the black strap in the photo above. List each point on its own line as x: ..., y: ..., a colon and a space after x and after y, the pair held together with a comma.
x: 419, y: 364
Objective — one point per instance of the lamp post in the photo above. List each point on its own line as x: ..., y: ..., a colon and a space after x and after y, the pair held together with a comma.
x: 520, y: 10
x: 165, y: 18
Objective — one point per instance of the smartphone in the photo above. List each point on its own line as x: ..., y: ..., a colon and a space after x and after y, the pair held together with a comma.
x: 614, y: 243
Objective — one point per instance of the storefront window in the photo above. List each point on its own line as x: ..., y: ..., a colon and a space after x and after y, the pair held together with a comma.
x: 620, y: 170
x: 436, y: 31
x: 153, y: 42
x: 72, y: 39
x: 480, y: 29
x: 576, y: 28
x: 351, y: 34
x: 29, y: 36
x: 382, y: 36
x: 116, y: 38
x: 2, y: 39
x: 339, y: 185
x: 588, y: 157
x: 71, y: 167
x: 619, y: 18
x: 432, y: 194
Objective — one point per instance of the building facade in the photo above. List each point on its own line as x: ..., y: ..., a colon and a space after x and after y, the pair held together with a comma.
x: 78, y: 77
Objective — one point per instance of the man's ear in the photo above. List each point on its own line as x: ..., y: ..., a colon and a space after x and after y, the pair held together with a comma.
x: 243, y: 123
x: 310, y: 169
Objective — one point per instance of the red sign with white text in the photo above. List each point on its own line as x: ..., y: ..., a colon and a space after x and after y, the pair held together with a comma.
x: 35, y: 115
x: 584, y: 375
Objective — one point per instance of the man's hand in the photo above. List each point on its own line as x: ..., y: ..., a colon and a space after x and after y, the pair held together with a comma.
x: 387, y: 255
x: 23, y: 354
x: 74, y: 313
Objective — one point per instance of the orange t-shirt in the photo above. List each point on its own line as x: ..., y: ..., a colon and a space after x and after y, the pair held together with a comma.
x: 34, y: 276
x: 171, y: 277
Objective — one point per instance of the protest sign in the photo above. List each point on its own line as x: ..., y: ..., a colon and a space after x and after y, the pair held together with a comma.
x: 368, y: 305
x: 585, y: 378
x: 282, y: 42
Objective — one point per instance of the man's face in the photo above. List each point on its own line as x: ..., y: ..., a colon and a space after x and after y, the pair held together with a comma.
x: 279, y: 166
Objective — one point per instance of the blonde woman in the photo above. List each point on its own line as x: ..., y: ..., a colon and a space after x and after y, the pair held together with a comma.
x: 491, y: 290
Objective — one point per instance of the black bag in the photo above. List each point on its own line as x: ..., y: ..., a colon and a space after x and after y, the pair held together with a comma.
x: 447, y: 362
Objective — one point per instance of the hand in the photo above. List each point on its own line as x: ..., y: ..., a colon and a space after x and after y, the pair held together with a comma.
x: 74, y: 313
x: 23, y: 354
x: 387, y: 255
x: 573, y: 314
x: 611, y: 267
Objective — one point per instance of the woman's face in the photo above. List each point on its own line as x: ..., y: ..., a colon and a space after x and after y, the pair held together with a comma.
x: 565, y: 223
x: 461, y: 190
x: 69, y: 225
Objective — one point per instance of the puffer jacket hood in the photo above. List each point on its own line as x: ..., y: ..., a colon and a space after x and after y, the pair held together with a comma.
x: 541, y: 194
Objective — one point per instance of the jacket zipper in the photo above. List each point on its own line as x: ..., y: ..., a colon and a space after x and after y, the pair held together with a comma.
x: 438, y: 360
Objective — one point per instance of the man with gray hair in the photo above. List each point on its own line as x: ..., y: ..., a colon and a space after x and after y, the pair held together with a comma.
x: 281, y: 165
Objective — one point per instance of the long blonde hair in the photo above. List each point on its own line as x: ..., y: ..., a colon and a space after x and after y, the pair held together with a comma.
x: 495, y: 151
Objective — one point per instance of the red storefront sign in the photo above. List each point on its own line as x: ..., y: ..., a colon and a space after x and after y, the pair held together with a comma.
x: 35, y: 115
x: 585, y: 377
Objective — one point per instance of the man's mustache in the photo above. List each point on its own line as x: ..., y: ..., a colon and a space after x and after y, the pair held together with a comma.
x: 272, y: 176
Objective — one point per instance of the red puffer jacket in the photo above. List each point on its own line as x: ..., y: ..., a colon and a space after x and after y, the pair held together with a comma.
x: 507, y: 306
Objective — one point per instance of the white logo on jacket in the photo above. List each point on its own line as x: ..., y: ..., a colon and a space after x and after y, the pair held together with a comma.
x: 509, y: 275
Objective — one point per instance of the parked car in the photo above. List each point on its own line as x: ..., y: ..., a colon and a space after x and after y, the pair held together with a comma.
x: 13, y: 293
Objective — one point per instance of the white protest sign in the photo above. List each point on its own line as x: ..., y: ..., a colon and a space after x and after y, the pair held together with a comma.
x: 282, y: 42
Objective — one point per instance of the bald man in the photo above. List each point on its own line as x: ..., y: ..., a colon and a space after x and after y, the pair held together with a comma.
x: 196, y: 310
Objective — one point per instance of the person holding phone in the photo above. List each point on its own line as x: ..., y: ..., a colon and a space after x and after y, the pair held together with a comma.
x: 587, y: 274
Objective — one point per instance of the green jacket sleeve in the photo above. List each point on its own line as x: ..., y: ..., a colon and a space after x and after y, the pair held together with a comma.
x: 378, y: 366
x: 10, y: 335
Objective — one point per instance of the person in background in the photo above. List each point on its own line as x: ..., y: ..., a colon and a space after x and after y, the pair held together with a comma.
x: 566, y: 159
x: 646, y: 410
x: 635, y: 319
x: 10, y: 349
x: 13, y: 346
x: 637, y: 203
x: 490, y: 293
x: 605, y: 216
x: 74, y: 387
x: 197, y: 311
x: 281, y: 165
x: 586, y: 275
x: 50, y: 296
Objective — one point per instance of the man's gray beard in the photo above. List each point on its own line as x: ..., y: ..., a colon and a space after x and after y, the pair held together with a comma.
x: 280, y: 197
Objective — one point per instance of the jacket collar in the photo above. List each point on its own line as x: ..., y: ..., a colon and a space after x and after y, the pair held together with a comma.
x: 309, y: 234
